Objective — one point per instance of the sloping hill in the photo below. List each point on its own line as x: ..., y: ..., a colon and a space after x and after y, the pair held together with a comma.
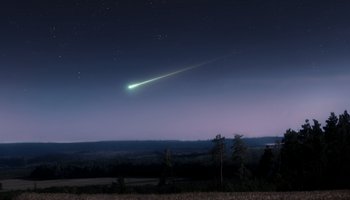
x: 39, y: 149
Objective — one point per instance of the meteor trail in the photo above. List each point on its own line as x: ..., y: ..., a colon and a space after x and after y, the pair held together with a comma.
x: 135, y: 85
x: 132, y: 86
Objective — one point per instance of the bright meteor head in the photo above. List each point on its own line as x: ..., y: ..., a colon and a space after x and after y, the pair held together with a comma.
x: 130, y: 87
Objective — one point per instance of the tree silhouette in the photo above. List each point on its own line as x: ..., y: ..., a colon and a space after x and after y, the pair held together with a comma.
x: 266, y: 163
x: 218, y: 153
x: 316, y: 158
x: 167, y: 168
x: 239, y: 150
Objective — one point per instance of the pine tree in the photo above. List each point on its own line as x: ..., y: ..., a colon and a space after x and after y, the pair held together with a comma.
x: 239, y: 150
x: 218, y: 153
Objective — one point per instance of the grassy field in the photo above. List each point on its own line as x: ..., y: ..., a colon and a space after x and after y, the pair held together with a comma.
x: 319, y: 195
x: 18, y: 184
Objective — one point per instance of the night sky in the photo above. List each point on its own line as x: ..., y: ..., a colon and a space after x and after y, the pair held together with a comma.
x: 66, y: 64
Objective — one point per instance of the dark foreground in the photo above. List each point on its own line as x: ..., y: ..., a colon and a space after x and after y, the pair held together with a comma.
x: 344, y: 194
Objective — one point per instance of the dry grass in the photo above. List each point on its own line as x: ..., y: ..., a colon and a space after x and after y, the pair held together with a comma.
x: 319, y: 195
x: 18, y: 184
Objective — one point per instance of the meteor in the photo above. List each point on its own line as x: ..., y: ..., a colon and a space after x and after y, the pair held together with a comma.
x: 132, y: 86
x: 135, y: 85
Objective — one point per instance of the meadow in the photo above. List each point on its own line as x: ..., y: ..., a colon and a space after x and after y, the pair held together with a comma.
x: 313, y: 195
x: 19, y: 184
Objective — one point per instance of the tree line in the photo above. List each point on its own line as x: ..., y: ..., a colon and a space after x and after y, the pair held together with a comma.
x: 315, y: 157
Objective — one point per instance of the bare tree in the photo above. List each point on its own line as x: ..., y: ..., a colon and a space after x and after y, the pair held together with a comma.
x: 167, y: 168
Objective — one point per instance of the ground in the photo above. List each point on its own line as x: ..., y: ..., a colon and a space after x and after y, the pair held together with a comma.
x: 19, y: 184
x: 314, y: 195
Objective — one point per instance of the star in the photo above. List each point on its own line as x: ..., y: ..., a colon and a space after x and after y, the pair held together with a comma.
x: 79, y: 73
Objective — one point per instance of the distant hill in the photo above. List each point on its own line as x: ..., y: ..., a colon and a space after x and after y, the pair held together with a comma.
x: 39, y: 149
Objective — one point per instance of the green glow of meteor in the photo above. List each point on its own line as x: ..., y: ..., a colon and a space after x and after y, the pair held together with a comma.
x: 135, y: 85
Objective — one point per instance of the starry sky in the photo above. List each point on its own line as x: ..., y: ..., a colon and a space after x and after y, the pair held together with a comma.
x: 65, y: 66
